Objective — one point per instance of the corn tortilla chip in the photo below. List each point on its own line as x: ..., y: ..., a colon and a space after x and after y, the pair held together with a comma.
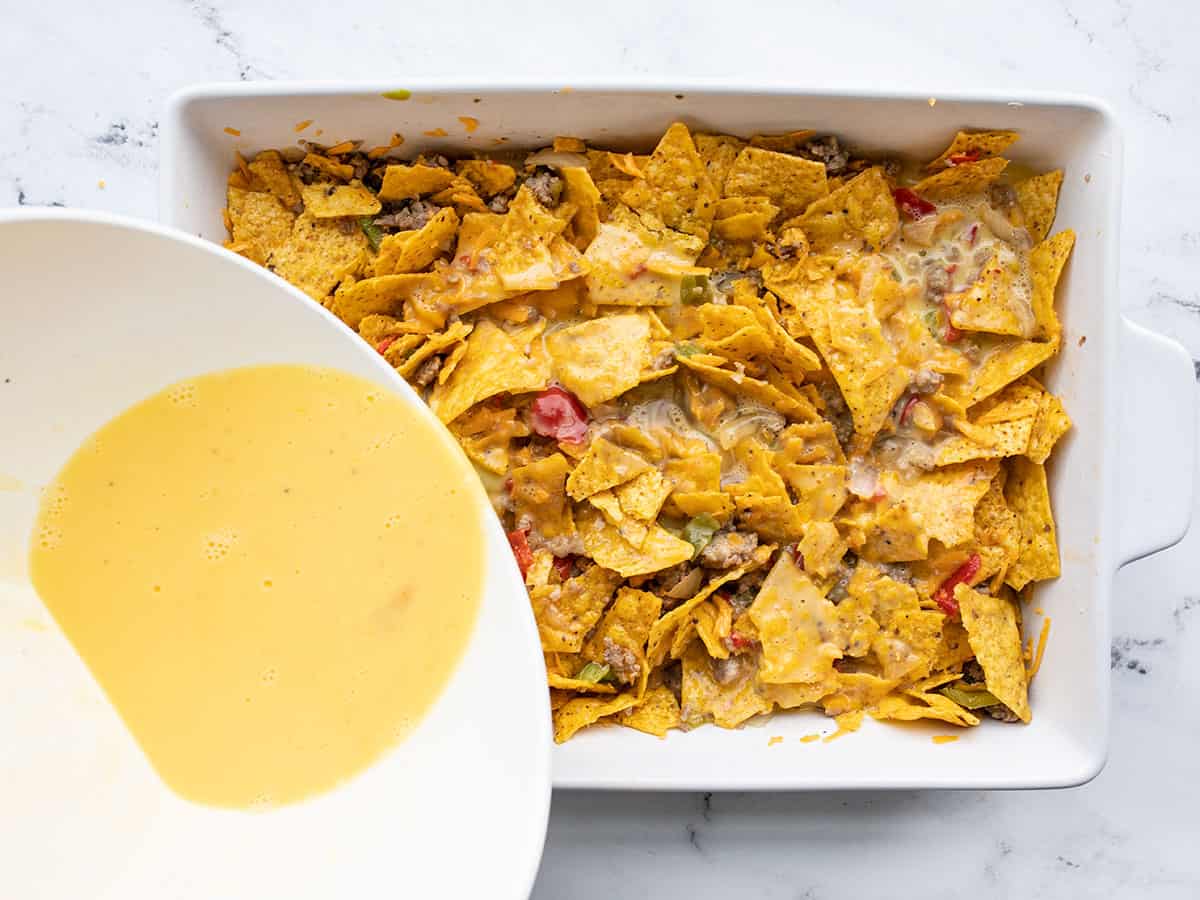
x: 408, y: 182
x: 969, y: 178
x: 1028, y: 497
x: 318, y: 255
x: 412, y: 251
x: 328, y: 201
x: 788, y: 182
x: 675, y: 188
x: 603, y: 466
x: 973, y: 146
x: 991, y: 624
x: 600, y: 359
x: 1038, y: 199
x: 493, y: 363
x: 1046, y: 262
x: 566, y: 613
x: 859, y: 212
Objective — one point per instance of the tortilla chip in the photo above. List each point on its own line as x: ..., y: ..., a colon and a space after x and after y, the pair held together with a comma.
x: 943, y: 502
x: 789, y: 182
x: 855, y: 691
x: 600, y: 359
x: 1051, y: 423
x: 337, y: 170
x: 566, y: 613
x: 752, y: 388
x: 859, y: 212
x: 994, y: 302
x: 1046, y: 262
x: 714, y: 621
x: 792, y: 357
x: 269, y: 168
x: 906, y: 641
x: 912, y: 706
x: 718, y: 153
x: 604, y: 543
x: 978, y: 144
x: 631, y: 265
x: 580, y: 712
x: 620, y: 638
x: 809, y: 443
x: 743, y: 218
x: 527, y: 256
x: 603, y: 466
x: 1028, y: 497
x: 675, y: 188
x: 259, y: 224
x: 386, y: 294
x: 1038, y: 199
x: 486, y: 432
x: 581, y: 192
x: 991, y: 624
x: 663, y: 632
x: 566, y: 683
x: 957, y: 181
x: 1003, y: 365
x: 999, y: 426
x: 455, y: 335
x: 540, y: 500
x: 318, y: 255
x: 820, y: 490
x: 997, y: 533
x: 494, y: 363
x: 657, y: 714
x: 487, y: 176
x: 407, y: 182
x: 704, y: 698
x: 791, y: 615
x: 717, y: 504
x: 642, y: 496
x: 822, y: 548
x: 327, y: 201
x: 699, y: 472
x: 412, y: 251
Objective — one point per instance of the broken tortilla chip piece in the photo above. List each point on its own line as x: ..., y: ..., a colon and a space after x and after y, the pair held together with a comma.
x: 788, y: 182
x: 957, y: 181
x: 1029, y: 497
x: 969, y: 146
x: 1046, y: 262
x: 860, y: 212
x: 493, y: 363
x: 328, y: 201
x: 601, y: 359
x: 675, y: 187
x: 991, y: 624
x: 318, y: 255
x: 1038, y: 199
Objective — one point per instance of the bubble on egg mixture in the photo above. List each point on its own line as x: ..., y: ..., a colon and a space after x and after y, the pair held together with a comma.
x: 218, y: 544
x: 183, y: 394
x: 49, y: 537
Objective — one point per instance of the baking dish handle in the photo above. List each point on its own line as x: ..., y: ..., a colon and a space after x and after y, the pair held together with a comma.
x: 1156, y: 443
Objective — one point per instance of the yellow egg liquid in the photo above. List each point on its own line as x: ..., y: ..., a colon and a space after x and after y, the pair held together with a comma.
x: 271, y: 571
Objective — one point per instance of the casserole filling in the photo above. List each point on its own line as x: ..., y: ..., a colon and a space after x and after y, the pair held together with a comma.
x: 760, y: 415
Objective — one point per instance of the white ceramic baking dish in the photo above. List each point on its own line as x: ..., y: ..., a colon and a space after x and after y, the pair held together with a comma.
x: 1121, y: 481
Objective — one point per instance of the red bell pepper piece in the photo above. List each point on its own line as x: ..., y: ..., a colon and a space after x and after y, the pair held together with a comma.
x: 959, y: 158
x: 908, y: 407
x: 912, y: 204
x: 951, y: 334
x: 519, y: 542
x: 563, y: 565
x: 558, y: 414
x: 385, y: 343
x: 944, y: 595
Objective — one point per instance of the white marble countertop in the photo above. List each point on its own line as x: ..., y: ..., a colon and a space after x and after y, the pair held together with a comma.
x: 83, y: 87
